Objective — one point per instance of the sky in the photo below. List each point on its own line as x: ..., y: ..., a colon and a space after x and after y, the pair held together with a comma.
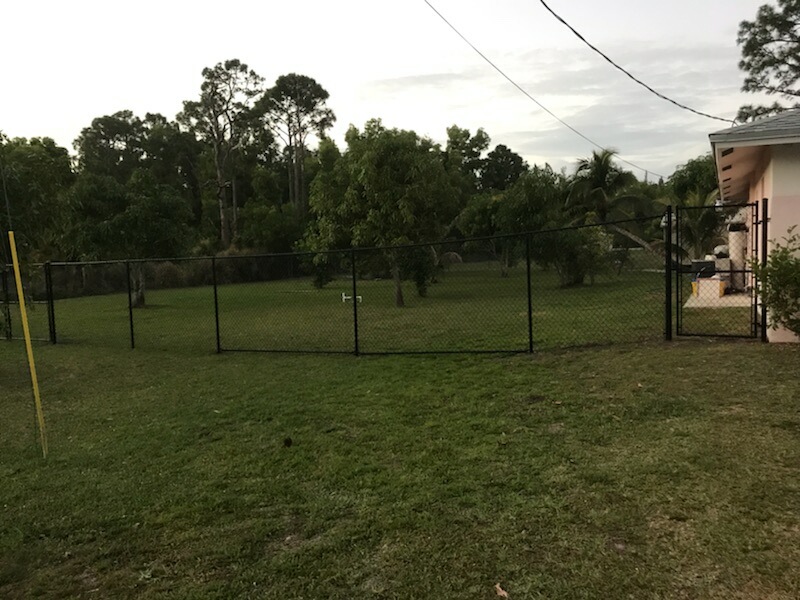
x: 65, y: 63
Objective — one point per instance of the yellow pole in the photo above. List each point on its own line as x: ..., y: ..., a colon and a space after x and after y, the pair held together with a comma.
x: 27, y: 333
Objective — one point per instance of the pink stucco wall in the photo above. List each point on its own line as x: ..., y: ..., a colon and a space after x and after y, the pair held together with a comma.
x: 779, y: 181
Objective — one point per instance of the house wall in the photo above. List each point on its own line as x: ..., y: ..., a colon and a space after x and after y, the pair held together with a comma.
x: 780, y: 183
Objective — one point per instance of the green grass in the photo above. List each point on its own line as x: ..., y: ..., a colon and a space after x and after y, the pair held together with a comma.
x: 636, y: 471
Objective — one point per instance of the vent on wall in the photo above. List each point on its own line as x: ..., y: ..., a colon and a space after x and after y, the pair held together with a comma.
x: 727, y: 152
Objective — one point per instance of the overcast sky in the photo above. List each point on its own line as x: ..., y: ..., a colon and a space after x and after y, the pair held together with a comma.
x: 65, y: 63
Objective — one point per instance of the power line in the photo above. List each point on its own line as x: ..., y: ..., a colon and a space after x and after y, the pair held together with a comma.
x: 628, y: 74
x: 528, y: 95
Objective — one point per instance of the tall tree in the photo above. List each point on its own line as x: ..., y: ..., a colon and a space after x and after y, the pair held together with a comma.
x: 225, y: 117
x: 111, y: 146
x: 696, y: 174
x: 295, y: 107
x: 34, y: 176
x: 463, y: 152
x: 173, y: 157
x: 501, y: 168
x: 770, y: 46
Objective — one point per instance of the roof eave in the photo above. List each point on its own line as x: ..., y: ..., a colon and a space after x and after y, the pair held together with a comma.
x: 734, y: 140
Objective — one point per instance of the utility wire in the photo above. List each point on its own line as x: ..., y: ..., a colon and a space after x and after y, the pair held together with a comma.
x: 628, y: 74
x: 530, y: 97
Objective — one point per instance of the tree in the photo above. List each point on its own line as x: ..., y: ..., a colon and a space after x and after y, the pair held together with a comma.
x: 770, y: 46
x: 142, y: 219
x: 601, y: 191
x: 111, y: 146
x: 173, y: 157
x: 391, y: 188
x: 535, y: 203
x: 225, y: 117
x: 696, y: 175
x: 463, y: 152
x: 501, y: 169
x: 34, y: 176
x: 462, y: 160
x: 597, y: 186
x: 701, y: 227
x: 295, y: 107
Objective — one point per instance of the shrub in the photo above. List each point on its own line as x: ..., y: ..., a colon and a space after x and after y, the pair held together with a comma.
x: 166, y: 275
x: 779, y: 283
x: 575, y: 254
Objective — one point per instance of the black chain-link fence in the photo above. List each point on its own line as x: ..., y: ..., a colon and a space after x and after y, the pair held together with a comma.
x: 517, y: 293
x: 715, y: 282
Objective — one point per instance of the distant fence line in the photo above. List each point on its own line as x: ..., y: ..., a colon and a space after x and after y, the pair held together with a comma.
x: 559, y: 288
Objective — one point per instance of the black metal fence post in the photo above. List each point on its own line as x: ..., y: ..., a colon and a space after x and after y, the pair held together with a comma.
x: 764, y: 256
x: 678, y: 249
x: 51, y: 309
x: 668, y: 275
x: 216, y: 301
x: 355, y: 301
x: 530, y: 302
x: 130, y: 302
x: 6, y: 302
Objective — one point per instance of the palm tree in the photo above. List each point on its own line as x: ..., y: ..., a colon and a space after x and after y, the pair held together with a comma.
x: 597, y: 186
x: 701, y: 224
x: 597, y: 194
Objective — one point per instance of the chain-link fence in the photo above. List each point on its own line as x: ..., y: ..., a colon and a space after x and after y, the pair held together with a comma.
x: 716, y: 285
x: 517, y: 293
x: 39, y: 307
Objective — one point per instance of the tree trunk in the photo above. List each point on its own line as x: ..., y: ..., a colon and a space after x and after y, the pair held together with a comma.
x: 224, y: 233
x: 398, y: 288
x: 632, y: 236
x: 504, y: 260
x: 300, y: 168
x: 290, y: 174
x: 235, y: 208
x: 137, y: 298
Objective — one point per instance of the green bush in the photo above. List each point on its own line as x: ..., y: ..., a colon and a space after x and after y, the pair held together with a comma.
x: 575, y: 254
x: 779, y: 283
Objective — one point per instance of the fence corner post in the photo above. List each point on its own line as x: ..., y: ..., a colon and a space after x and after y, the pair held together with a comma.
x: 51, y: 307
x: 354, y: 274
x: 530, y: 301
x: 216, y: 301
x: 130, y: 301
x: 668, y: 275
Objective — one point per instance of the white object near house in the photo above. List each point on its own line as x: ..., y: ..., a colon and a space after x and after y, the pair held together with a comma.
x: 761, y: 160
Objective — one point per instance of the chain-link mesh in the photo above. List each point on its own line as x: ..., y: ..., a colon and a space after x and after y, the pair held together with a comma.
x: 590, y: 286
x: 447, y: 297
x: 285, y: 302
x: 35, y: 290
x: 715, y: 282
x: 173, y: 305
x: 91, y: 303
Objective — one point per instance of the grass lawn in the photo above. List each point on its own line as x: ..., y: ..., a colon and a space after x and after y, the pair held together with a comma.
x: 636, y: 471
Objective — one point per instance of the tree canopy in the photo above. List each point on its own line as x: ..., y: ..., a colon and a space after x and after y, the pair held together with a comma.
x: 770, y: 46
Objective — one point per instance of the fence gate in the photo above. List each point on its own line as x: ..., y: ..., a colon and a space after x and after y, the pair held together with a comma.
x: 715, y: 283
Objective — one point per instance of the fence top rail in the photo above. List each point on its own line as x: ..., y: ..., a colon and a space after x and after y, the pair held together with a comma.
x: 717, y: 206
x: 521, y: 234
